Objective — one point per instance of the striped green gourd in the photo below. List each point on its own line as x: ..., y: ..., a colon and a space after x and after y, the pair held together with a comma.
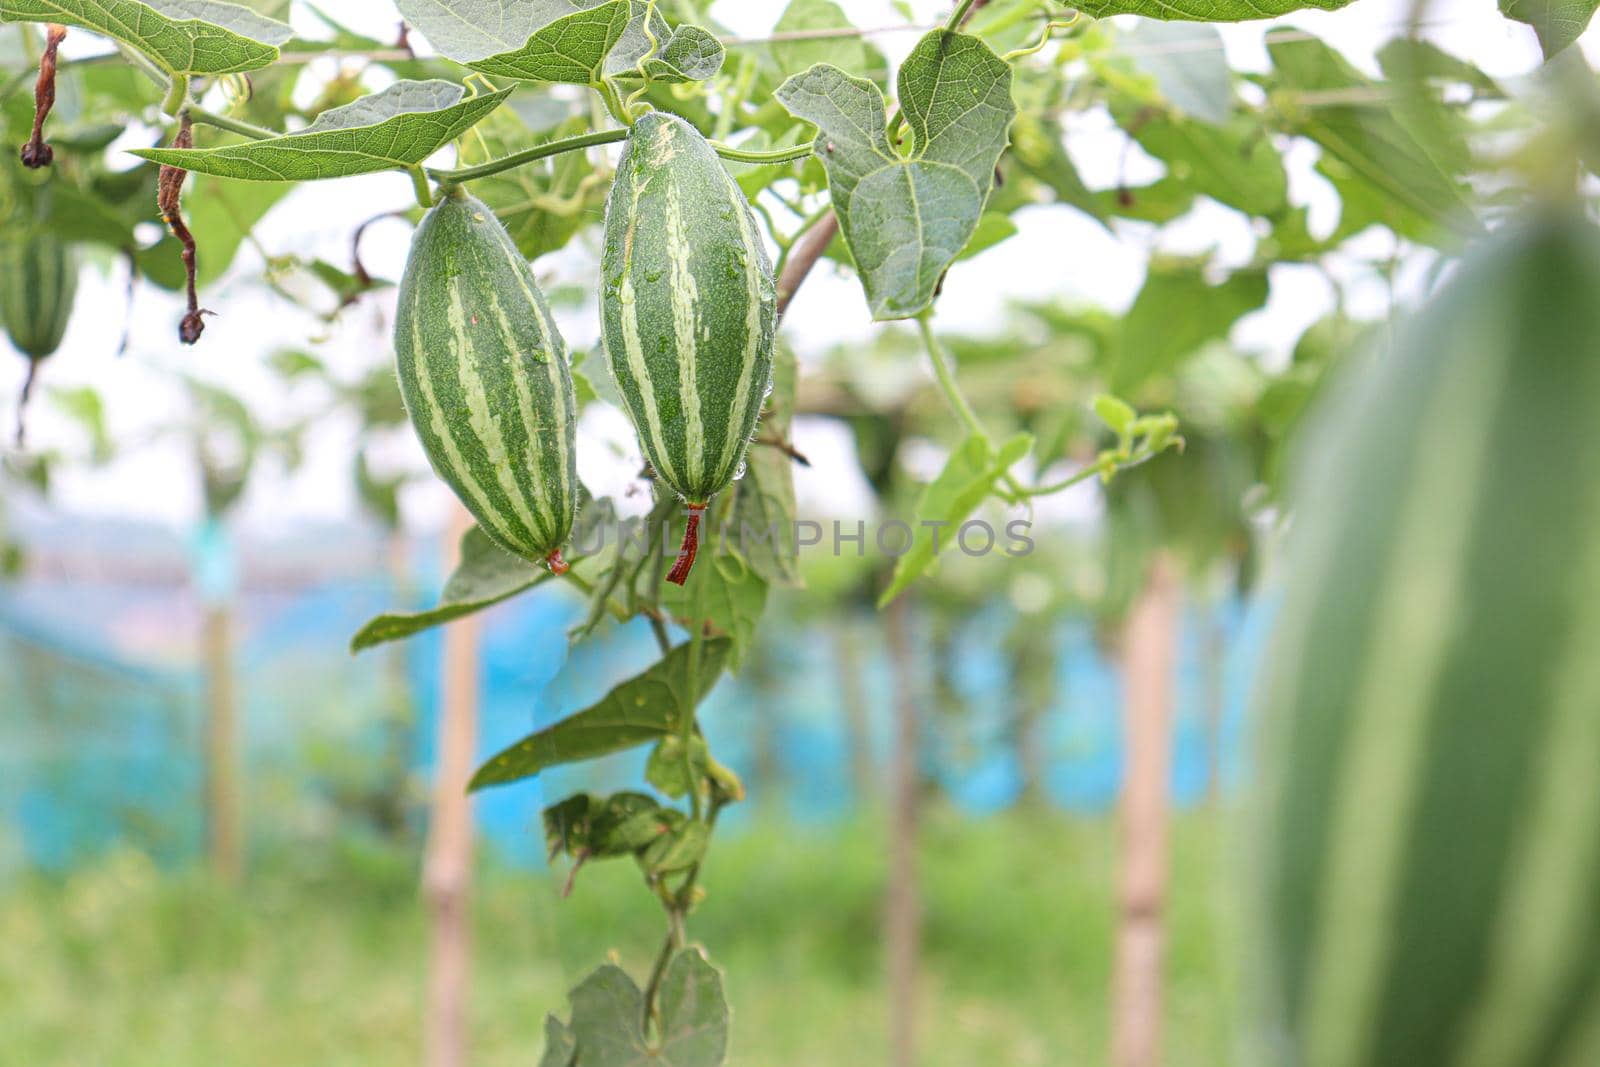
x: 688, y: 312
x: 484, y: 375
x: 1432, y: 702
x: 38, y: 282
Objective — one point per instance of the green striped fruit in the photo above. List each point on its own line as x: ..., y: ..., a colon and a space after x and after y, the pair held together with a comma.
x: 485, y: 379
x: 38, y: 281
x: 1432, y: 702
x: 688, y: 312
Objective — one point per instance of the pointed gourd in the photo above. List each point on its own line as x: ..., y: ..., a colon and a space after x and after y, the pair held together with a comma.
x: 485, y: 378
x: 688, y: 312
x: 1432, y: 702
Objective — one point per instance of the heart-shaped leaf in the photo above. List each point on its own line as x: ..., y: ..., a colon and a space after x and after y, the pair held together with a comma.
x: 906, y: 217
x: 564, y: 40
x: 183, y: 36
x: 608, y: 1010
x: 1558, y: 22
x: 572, y: 48
x: 398, y: 127
x: 644, y: 708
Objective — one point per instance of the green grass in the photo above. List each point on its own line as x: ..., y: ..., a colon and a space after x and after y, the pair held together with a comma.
x: 318, y: 961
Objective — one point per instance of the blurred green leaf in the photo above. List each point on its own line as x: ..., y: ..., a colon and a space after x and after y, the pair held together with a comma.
x: 1159, y: 202
x: 1189, y: 65
x: 853, y: 55
x: 1558, y: 22
x: 1321, y: 97
x: 1235, y: 164
x: 560, y: 1046
x: 945, y: 503
x: 763, y: 501
x: 725, y: 593
x: 1175, y: 313
x: 608, y: 1011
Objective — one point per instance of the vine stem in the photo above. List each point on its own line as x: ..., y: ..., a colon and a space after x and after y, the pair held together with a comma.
x: 177, y: 93
x: 1091, y: 471
x: 959, y: 15
x: 223, y: 122
x: 956, y: 399
x: 517, y: 159
x: 686, y: 727
x: 947, y: 381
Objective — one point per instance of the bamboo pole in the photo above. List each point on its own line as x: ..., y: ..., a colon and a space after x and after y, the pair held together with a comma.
x: 903, y: 903
x: 223, y: 811
x: 447, y: 867
x: 1149, y: 662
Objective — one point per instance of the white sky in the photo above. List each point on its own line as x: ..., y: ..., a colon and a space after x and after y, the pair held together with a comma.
x: 1057, y: 252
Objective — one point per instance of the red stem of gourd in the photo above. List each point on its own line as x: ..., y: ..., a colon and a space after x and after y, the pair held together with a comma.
x: 691, y: 543
x: 557, y: 565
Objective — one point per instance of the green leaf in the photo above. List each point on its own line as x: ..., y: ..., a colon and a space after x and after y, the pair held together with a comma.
x: 1114, y: 413
x: 183, y: 36
x: 762, y: 519
x: 1036, y: 145
x: 1368, y: 144
x: 853, y: 55
x: 946, y: 502
x: 1189, y: 65
x: 1175, y: 313
x: 584, y: 826
x: 1159, y: 202
x: 691, y: 54
x: 1204, y: 10
x: 560, y: 1046
x: 905, y: 218
x: 572, y: 48
x: 563, y: 40
x: 1234, y: 164
x: 680, y: 848
x: 1557, y: 22
x: 486, y: 575
x: 644, y: 708
x: 398, y: 127
x: 725, y: 593
x: 668, y: 771
x: 84, y: 406
x: 608, y: 1011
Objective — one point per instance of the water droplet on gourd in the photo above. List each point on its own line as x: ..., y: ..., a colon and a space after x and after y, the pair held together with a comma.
x: 738, y: 472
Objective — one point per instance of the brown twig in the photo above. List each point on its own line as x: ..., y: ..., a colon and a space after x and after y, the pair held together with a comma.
x: 22, y: 404
x: 36, y: 153
x: 169, y: 199
x: 774, y: 441
x: 807, y: 249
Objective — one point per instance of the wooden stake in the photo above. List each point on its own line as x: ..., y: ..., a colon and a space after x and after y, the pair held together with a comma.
x: 1149, y: 661
x: 903, y: 906
x: 447, y: 868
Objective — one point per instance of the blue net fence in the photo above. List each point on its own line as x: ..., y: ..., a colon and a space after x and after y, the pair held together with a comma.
x: 102, y: 697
